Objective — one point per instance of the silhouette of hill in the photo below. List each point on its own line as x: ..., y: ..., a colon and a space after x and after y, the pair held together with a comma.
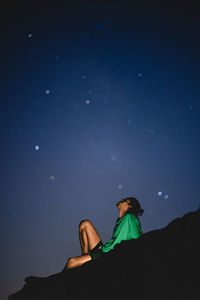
x: 161, y: 264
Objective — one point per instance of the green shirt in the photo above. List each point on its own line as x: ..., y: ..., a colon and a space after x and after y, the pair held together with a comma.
x: 126, y: 228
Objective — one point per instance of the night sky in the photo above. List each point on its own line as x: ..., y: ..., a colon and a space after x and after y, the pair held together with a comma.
x: 99, y: 101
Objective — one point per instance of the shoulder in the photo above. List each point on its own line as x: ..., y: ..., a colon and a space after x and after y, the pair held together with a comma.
x: 131, y: 217
x: 128, y: 216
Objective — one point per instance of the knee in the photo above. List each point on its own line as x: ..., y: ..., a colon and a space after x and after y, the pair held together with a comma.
x: 70, y: 263
x: 83, y: 224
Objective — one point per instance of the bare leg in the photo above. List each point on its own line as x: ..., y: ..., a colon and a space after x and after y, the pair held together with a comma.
x: 77, y: 261
x: 89, y: 238
x: 83, y: 241
x: 88, y: 235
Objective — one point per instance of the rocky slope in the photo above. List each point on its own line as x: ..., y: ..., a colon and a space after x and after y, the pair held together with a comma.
x: 161, y: 264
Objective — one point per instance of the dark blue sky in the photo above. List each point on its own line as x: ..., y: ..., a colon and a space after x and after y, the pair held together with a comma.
x: 99, y: 100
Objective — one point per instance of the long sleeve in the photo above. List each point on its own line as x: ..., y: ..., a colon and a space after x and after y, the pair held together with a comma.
x: 128, y: 227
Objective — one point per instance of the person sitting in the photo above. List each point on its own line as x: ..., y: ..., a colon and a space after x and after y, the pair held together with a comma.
x: 127, y: 227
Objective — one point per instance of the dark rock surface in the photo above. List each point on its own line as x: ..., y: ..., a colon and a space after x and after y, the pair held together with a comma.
x: 161, y: 264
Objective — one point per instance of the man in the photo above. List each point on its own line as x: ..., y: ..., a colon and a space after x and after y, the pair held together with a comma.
x: 127, y: 227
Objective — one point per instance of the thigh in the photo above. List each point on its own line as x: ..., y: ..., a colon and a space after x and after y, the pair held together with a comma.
x: 78, y: 260
x: 92, y: 235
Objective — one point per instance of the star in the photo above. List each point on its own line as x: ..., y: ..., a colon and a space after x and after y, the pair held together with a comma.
x: 152, y: 131
x: 113, y: 157
x: 139, y: 74
x: 99, y: 26
x: 120, y: 186
x: 130, y: 122
x: 37, y: 147
x: 159, y: 193
x: 47, y: 92
x: 87, y: 101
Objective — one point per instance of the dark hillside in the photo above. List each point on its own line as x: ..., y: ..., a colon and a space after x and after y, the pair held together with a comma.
x: 161, y: 264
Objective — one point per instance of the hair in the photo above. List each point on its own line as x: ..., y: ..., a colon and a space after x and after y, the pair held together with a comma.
x: 136, y: 208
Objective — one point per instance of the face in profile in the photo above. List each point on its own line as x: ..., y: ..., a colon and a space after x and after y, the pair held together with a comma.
x: 124, y: 204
